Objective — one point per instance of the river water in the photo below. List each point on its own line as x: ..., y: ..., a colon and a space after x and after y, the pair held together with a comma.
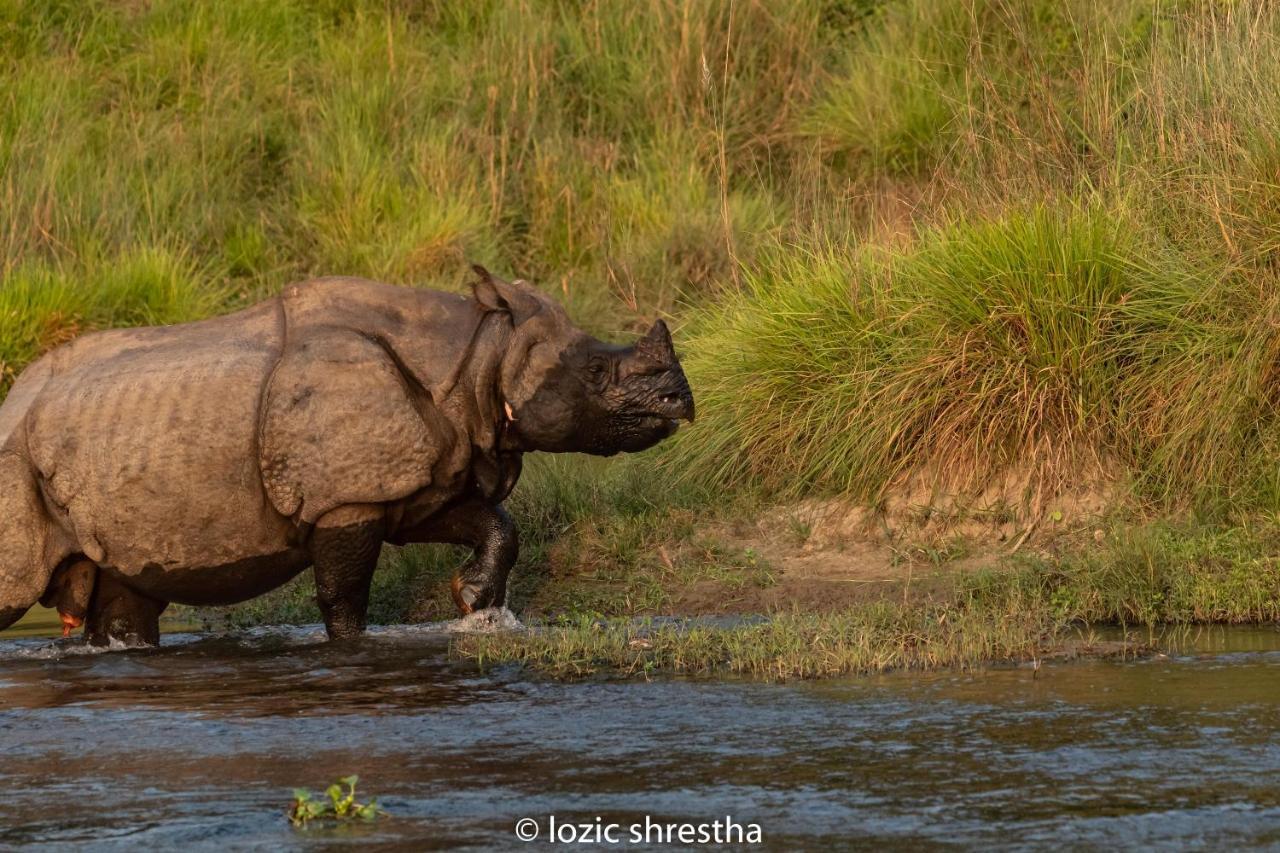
x: 199, y: 743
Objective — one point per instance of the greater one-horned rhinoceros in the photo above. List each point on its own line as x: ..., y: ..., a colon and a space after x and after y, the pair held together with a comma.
x: 209, y: 462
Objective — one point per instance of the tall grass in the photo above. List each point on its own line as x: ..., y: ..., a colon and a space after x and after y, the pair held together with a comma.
x: 1054, y: 343
x: 1083, y: 285
x: 960, y: 238
x: 614, y: 151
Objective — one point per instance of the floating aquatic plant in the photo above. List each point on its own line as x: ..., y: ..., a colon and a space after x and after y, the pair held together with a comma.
x: 335, y: 804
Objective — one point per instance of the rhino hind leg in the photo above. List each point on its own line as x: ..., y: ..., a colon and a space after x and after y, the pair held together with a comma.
x: 70, y: 592
x: 345, y: 545
x: 121, y: 614
x: 24, y: 526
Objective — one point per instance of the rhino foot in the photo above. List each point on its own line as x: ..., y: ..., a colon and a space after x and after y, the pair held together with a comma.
x: 470, y: 597
x: 122, y: 615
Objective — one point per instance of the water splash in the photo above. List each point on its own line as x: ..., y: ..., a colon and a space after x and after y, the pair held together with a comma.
x: 489, y: 621
x: 43, y: 649
x: 493, y: 620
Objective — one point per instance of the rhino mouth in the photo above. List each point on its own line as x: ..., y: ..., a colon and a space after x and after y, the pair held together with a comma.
x: 654, y: 421
x: 671, y: 409
x: 644, y: 424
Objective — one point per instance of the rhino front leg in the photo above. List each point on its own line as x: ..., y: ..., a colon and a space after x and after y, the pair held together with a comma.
x: 344, y: 552
x: 487, y: 528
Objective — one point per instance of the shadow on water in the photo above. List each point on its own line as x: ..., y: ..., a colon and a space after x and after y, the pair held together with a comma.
x: 198, y: 743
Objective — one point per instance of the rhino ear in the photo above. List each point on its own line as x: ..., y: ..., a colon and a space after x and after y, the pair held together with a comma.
x: 516, y: 298
x: 656, y: 345
x: 485, y: 290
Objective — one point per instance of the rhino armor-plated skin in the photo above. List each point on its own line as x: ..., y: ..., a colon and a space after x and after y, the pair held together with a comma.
x: 209, y: 462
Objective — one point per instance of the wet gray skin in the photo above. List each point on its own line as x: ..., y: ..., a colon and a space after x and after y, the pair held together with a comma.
x: 199, y: 743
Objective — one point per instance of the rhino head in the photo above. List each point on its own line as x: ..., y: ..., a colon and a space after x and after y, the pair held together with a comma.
x: 565, y: 391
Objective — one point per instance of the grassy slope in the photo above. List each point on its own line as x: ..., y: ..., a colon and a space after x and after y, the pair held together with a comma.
x: 959, y: 238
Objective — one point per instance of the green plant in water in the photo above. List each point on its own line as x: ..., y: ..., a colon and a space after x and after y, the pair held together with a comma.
x: 340, y: 805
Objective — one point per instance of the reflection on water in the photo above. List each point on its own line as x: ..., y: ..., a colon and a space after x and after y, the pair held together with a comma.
x: 200, y: 742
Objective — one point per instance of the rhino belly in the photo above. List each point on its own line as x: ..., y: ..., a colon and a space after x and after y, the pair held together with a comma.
x: 224, y: 584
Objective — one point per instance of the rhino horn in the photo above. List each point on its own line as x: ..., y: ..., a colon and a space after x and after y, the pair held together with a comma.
x: 656, y: 345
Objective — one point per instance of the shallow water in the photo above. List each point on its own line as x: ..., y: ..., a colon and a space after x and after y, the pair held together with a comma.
x: 199, y: 743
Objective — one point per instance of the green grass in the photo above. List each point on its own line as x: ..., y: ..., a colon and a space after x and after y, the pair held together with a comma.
x: 1149, y: 577
x: 1052, y: 341
x: 875, y: 638
x: 1162, y: 574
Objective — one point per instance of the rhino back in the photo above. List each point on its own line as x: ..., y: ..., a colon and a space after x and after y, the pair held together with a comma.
x: 13, y: 411
x: 144, y: 440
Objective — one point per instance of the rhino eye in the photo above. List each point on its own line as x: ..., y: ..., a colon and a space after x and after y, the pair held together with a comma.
x: 596, y: 369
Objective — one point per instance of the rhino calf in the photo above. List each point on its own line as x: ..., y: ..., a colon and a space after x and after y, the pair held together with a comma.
x: 209, y: 462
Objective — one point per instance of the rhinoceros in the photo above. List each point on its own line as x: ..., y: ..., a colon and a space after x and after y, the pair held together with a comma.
x: 206, y: 463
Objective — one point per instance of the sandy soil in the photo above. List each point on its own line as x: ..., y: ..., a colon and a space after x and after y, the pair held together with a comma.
x: 825, y: 555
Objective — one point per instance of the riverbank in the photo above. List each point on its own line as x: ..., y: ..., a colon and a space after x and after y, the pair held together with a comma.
x: 818, y: 588
x: 966, y: 610
x: 814, y: 589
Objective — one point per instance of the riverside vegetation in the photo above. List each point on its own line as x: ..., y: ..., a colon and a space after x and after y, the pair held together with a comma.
x: 998, y: 277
